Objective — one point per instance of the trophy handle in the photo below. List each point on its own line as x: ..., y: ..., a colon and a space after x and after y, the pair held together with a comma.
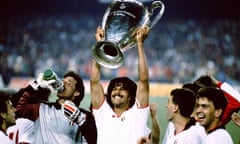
x: 156, y: 18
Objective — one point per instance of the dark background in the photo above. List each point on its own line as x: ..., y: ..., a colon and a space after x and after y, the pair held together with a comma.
x: 197, y: 31
x: 197, y: 9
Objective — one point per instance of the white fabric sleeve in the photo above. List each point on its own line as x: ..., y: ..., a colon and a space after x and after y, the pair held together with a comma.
x: 230, y: 90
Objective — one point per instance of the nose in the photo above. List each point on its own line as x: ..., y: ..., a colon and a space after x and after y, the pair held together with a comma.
x: 198, y: 109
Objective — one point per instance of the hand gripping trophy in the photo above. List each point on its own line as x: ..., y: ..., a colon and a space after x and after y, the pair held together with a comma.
x: 120, y: 22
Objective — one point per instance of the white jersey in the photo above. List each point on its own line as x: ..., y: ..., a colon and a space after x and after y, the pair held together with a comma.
x: 22, y: 131
x: 52, y: 127
x: 194, y: 135
x: 219, y: 136
x: 126, y: 129
x: 4, y: 139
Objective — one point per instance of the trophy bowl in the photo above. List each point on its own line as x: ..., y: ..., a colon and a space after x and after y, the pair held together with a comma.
x: 120, y: 22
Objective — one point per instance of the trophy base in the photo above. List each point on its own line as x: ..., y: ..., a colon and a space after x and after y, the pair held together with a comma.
x: 108, y: 54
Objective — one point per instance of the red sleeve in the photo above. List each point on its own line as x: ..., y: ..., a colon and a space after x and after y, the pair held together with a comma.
x: 232, y: 106
x: 26, y: 109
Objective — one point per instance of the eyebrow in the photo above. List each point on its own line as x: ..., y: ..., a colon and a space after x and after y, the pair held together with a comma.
x: 118, y: 84
x: 202, y: 105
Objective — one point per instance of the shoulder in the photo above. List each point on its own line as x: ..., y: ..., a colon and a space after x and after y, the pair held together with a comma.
x: 219, y: 133
x: 219, y: 136
x: 198, y: 131
x: 4, y: 138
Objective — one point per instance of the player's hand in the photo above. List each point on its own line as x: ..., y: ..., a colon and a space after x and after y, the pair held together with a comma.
x: 72, y: 112
x: 236, y: 118
x: 39, y: 82
x: 153, y: 109
x: 144, y: 140
x: 99, y: 35
x: 142, y: 33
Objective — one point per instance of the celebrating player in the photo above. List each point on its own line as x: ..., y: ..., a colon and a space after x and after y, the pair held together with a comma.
x: 51, y: 125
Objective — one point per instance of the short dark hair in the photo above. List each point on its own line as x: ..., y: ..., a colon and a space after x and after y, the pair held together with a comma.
x: 192, y: 86
x: 185, y: 99
x: 130, y: 86
x: 79, y: 86
x: 4, y: 97
x: 215, y: 95
x: 205, y: 81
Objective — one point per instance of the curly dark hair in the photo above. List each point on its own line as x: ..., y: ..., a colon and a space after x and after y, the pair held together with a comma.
x: 130, y: 86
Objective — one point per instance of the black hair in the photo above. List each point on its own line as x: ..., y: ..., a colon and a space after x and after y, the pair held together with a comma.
x: 205, y: 81
x: 215, y: 95
x: 192, y: 86
x: 130, y: 86
x: 185, y: 99
x: 79, y: 86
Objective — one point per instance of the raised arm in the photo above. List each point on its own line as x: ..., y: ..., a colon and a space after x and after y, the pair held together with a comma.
x: 155, y: 134
x: 143, y: 84
x: 97, y: 91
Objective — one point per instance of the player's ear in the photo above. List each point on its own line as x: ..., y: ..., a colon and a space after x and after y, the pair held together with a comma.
x: 218, y: 113
x: 175, y: 108
x: 3, y: 115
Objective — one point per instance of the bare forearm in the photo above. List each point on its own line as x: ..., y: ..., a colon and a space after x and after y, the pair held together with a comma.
x: 143, y: 84
x: 97, y: 92
x: 155, y: 131
x: 142, y: 63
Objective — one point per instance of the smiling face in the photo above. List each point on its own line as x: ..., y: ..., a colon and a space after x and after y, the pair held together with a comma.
x: 206, y: 114
x: 120, y: 97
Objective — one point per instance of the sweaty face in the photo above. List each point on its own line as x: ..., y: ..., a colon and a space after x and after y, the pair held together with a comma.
x: 120, y: 96
x: 69, y: 89
x: 205, y: 112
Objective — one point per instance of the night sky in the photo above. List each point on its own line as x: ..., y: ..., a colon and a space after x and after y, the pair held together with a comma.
x: 210, y: 9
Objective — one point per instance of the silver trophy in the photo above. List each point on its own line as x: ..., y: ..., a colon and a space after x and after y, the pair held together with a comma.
x: 120, y: 22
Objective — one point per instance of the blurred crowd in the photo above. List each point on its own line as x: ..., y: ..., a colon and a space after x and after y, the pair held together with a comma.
x: 177, y: 50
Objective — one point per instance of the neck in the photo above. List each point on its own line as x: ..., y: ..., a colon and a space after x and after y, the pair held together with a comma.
x: 118, y: 110
x: 213, y: 125
x: 3, y: 127
x: 180, y: 123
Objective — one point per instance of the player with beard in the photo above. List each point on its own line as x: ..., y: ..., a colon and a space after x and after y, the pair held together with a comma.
x: 121, y: 116
x: 51, y: 125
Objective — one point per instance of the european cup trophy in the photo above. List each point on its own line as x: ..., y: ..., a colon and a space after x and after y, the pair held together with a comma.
x: 120, y: 22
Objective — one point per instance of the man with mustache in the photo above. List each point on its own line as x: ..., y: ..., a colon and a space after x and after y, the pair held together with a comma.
x: 121, y: 116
